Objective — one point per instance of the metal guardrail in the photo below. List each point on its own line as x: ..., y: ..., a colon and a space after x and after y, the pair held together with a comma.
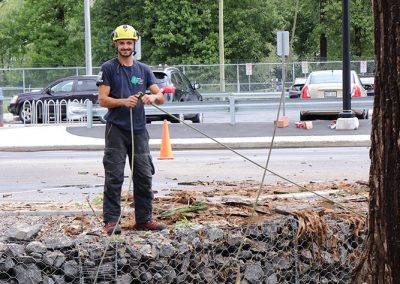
x: 233, y: 103
x: 252, y: 95
x: 70, y: 111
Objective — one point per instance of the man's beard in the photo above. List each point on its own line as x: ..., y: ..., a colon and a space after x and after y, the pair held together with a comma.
x: 123, y: 55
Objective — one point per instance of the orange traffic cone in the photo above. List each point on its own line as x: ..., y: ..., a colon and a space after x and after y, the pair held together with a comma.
x: 166, y: 149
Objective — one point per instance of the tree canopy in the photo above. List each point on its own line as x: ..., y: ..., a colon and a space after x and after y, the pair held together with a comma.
x: 49, y: 33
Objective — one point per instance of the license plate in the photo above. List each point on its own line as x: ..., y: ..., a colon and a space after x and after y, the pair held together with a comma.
x: 330, y: 94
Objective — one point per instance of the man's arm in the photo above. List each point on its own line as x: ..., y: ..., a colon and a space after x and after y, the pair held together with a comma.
x: 109, y: 102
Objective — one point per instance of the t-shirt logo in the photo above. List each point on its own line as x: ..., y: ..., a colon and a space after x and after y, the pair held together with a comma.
x: 135, y: 80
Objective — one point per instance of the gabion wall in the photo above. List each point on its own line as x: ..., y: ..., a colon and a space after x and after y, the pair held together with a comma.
x: 284, y: 250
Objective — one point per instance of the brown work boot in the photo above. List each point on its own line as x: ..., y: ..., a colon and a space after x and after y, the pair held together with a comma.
x: 112, y: 228
x: 150, y: 226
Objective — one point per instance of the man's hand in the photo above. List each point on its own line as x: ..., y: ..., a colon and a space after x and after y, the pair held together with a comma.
x: 131, y: 101
x: 149, y: 99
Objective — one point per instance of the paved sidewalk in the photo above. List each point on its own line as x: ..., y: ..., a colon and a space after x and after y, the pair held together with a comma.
x: 17, y: 137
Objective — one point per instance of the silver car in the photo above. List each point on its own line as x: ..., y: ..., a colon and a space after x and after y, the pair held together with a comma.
x: 328, y: 84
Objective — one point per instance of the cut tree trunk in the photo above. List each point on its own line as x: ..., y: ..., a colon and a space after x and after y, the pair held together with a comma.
x: 381, y: 259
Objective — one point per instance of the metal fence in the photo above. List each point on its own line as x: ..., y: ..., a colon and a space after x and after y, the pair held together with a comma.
x: 298, y: 249
x: 251, y: 77
x: 60, y: 111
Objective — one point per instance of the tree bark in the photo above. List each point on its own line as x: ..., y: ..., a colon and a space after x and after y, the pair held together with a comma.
x: 381, y: 261
x: 357, y: 42
x: 323, y: 47
x: 323, y: 42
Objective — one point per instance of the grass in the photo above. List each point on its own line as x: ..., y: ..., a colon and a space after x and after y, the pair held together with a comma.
x: 184, y: 224
x: 98, y: 200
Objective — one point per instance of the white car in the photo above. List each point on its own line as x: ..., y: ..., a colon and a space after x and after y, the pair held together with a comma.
x: 328, y: 84
x: 368, y: 84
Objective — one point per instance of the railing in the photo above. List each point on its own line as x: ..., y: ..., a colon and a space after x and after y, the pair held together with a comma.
x: 232, y: 103
x: 54, y: 111
x: 58, y: 111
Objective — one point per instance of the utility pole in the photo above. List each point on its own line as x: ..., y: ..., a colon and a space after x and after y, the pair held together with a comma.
x: 221, y: 45
x: 88, y: 44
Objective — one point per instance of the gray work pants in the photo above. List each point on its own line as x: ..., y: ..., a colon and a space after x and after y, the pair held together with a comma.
x: 118, y: 145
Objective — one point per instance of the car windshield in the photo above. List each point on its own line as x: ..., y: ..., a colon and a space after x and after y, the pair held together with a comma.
x: 331, y: 77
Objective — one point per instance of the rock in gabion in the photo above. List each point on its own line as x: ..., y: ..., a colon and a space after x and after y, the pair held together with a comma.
x: 270, y: 253
x: 23, y: 232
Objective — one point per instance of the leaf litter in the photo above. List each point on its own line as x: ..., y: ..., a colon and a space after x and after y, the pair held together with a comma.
x: 215, y: 202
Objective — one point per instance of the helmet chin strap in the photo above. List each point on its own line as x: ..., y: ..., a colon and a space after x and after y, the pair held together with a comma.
x: 134, y: 48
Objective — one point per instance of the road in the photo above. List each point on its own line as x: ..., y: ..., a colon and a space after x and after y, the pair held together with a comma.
x: 74, y: 175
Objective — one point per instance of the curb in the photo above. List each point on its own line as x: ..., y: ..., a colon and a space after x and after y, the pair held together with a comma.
x: 205, y: 143
x: 56, y: 137
x: 264, y: 142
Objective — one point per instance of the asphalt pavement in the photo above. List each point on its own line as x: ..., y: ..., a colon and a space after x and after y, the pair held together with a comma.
x: 19, y: 137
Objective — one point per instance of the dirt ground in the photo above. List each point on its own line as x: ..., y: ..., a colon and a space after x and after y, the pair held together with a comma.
x: 200, y: 202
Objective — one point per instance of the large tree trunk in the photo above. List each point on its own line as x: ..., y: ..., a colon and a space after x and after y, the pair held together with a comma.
x: 381, y: 261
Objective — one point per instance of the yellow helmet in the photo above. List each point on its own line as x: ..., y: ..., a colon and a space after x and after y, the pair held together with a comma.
x: 125, y: 32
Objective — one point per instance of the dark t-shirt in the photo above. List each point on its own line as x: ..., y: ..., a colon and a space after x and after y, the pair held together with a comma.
x: 125, y: 81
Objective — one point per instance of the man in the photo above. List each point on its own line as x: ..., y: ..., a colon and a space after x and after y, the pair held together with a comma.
x: 120, y: 81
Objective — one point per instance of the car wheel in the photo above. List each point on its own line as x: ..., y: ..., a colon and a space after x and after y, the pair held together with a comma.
x: 25, y: 114
x: 198, y: 118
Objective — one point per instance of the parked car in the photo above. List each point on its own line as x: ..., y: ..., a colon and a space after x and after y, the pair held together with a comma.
x: 184, y: 91
x: 368, y: 84
x: 328, y: 84
x: 295, y: 89
x: 79, y: 88
x: 84, y: 87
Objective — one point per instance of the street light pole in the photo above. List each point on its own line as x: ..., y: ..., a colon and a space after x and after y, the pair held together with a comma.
x: 347, y: 112
x: 88, y: 45
x: 347, y: 119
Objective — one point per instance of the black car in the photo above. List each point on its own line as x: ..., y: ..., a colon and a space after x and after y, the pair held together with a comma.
x: 184, y: 91
x: 82, y: 88
x: 72, y: 88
